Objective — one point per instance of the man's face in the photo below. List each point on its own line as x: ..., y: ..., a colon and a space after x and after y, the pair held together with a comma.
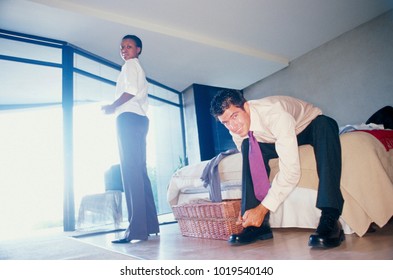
x: 236, y: 120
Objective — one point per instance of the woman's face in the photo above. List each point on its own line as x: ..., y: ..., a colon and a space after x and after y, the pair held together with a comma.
x: 128, y: 49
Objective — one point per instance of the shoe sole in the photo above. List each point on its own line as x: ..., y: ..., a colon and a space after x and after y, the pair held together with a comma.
x: 261, y: 237
x: 325, y: 244
x: 266, y: 236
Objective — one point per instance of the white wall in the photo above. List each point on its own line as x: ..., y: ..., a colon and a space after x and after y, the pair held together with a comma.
x: 349, y: 78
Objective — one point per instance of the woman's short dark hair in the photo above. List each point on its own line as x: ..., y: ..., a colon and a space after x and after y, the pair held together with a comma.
x: 224, y: 99
x: 138, y: 42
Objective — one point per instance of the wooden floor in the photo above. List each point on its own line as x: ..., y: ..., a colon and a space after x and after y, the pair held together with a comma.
x: 172, y: 250
x: 287, y: 244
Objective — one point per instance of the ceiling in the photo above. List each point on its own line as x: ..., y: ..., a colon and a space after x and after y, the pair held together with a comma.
x: 224, y: 43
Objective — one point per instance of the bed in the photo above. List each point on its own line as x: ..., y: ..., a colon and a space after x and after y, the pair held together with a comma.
x: 366, y: 184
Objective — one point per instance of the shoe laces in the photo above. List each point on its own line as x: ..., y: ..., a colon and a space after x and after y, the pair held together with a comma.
x: 250, y: 229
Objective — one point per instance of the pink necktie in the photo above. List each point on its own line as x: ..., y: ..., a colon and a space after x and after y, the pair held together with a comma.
x: 259, y: 176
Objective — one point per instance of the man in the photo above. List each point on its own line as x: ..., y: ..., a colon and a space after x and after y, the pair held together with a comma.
x: 280, y: 124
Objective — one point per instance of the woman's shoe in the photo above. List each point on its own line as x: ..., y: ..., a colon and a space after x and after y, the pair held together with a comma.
x: 121, y: 241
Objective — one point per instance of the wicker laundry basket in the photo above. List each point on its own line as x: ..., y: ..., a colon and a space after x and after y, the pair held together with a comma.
x: 213, y: 220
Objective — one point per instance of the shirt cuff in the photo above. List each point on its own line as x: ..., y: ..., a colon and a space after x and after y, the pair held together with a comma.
x: 270, y: 203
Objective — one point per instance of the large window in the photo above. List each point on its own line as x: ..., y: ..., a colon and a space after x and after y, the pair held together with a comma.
x: 32, y: 124
x: 31, y: 155
x: 31, y: 164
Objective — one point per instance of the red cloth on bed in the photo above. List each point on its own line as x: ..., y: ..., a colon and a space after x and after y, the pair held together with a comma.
x: 383, y: 135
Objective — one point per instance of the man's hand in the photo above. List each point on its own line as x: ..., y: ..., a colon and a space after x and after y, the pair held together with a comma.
x: 254, y: 217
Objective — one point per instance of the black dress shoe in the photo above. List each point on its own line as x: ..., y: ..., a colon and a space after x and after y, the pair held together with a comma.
x: 329, y: 233
x: 121, y: 241
x: 251, y: 234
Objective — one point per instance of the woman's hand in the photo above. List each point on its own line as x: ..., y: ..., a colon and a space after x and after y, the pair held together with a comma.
x: 108, y: 109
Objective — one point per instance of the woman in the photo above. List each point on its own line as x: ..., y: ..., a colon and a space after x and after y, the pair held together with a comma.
x: 130, y: 108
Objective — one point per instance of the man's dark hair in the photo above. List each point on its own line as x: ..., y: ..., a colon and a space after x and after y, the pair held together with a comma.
x: 138, y: 42
x: 224, y: 99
